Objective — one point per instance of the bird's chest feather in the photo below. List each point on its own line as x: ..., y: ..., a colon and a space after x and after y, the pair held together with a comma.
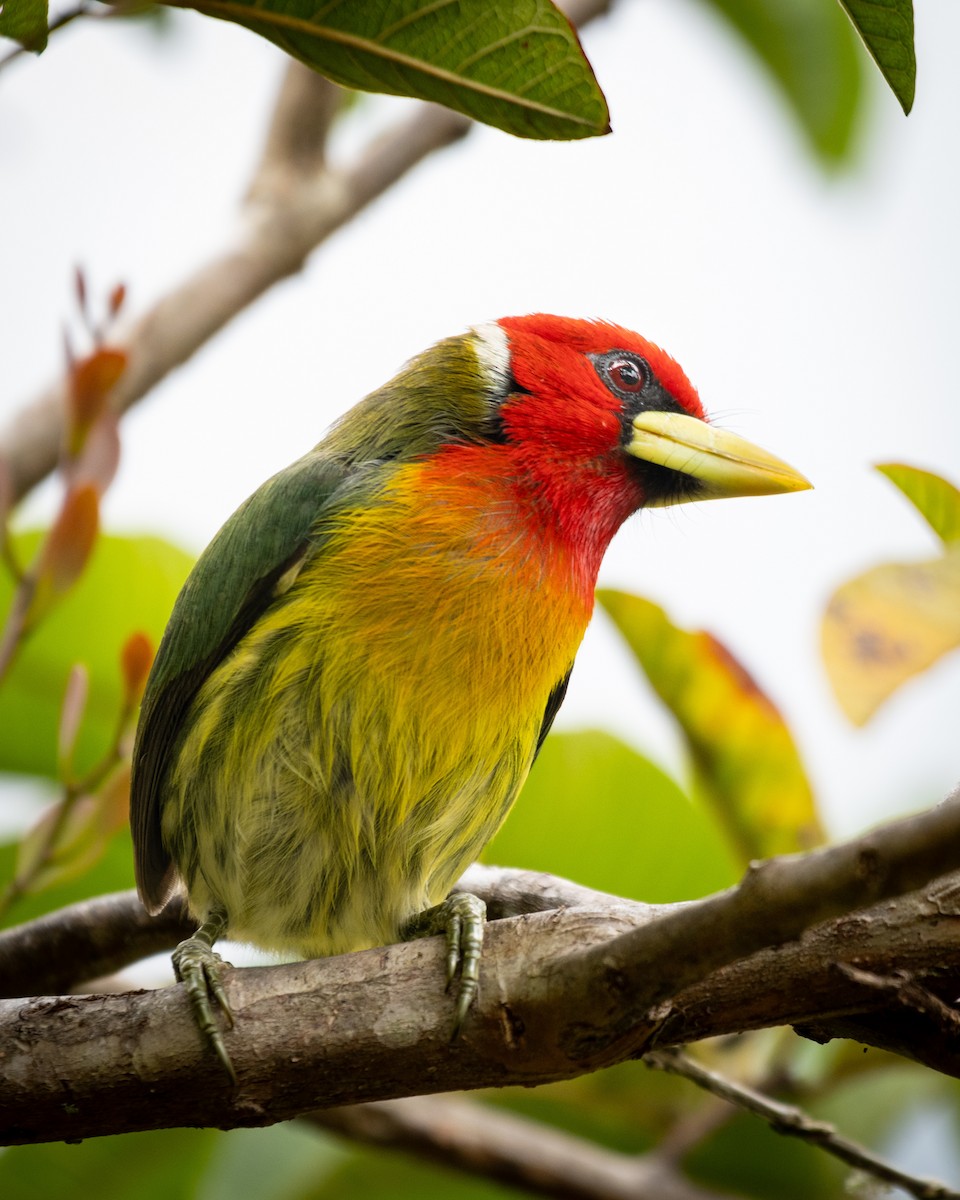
x: 377, y: 722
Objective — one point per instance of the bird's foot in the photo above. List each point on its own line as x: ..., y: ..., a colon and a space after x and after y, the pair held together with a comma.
x: 199, y: 968
x: 461, y: 918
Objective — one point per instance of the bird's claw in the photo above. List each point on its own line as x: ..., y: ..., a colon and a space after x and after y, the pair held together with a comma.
x: 461, y: 918
x: 199, y: 968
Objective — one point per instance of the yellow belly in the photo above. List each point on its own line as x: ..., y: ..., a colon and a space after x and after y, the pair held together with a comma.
x: 366, y: 739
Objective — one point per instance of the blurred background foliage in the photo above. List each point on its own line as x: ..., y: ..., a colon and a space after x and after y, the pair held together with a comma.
x: 595, y: 809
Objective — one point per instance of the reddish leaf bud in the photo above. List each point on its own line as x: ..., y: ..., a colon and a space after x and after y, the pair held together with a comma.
x: 91, y: 381
x: 117, y: 297
x: 136, y: 658
x: 71, y: 539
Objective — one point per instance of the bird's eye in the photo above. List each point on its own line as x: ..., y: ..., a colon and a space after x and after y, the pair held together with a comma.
x: 625, y: 374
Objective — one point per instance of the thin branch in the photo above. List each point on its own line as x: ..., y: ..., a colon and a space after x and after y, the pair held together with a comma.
x: 283, y: 225
x: 794, y: 1122
x: 54, y: 953
x: 512, y: 1149
x: 375, y: 1025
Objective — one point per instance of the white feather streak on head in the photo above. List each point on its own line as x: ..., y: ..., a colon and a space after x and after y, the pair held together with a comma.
x: 493, y: 354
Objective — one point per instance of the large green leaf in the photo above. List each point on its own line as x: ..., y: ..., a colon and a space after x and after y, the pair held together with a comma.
x: 25, y: 21
x: 886, y: 27
x: 516, y: 66
x: 747, y: 762
x: 596, y: 811
x: 811, y: 51
x: 130, y: 584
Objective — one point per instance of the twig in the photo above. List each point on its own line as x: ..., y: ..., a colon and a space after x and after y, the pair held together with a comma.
x: 794, y: 1122
x: 512, y: 1149
x: 905, y: 990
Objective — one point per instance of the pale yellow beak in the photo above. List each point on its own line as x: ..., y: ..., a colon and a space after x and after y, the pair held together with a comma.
x: 726, y: 465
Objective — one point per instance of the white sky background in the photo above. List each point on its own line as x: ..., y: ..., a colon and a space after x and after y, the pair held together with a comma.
x: 817, y: 315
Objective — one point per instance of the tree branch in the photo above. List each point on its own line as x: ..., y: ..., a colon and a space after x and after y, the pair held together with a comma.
x: 375, y: 1025
x: 794, y: 1122
x: 57, y: 952
x: 294, y: 203
x: 511, y: 1149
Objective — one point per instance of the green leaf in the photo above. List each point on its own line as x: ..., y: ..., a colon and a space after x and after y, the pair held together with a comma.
x: 516, y: 66
x: 130, y: 583
x: 164, y: 1165
x: 26, y: 22
x: 597, y: 812
x: 935, y: 498
x: 886, y: 27
x: 811, y: 52
x: 747, y: 762
x: 888, y: 624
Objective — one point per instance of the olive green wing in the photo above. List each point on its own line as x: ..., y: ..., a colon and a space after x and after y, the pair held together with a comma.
x: 251, y: 560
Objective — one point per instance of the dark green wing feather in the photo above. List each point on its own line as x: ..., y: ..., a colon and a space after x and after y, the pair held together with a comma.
x: 233, y: 582
x: 554, y: 700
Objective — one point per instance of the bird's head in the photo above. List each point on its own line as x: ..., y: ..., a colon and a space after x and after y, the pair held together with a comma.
x: 590, y: 420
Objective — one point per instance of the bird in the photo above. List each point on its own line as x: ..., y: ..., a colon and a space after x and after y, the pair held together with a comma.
x: 361, y: 669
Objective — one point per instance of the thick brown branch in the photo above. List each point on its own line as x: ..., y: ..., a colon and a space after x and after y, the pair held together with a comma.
x: 97, y: 937
x: 376, y: 1025
x: 776, y: 900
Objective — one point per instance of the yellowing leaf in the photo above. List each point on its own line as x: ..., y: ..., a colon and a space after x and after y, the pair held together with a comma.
x: 888, y: 624
x: 747, y: 762
x: 936, y: 499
